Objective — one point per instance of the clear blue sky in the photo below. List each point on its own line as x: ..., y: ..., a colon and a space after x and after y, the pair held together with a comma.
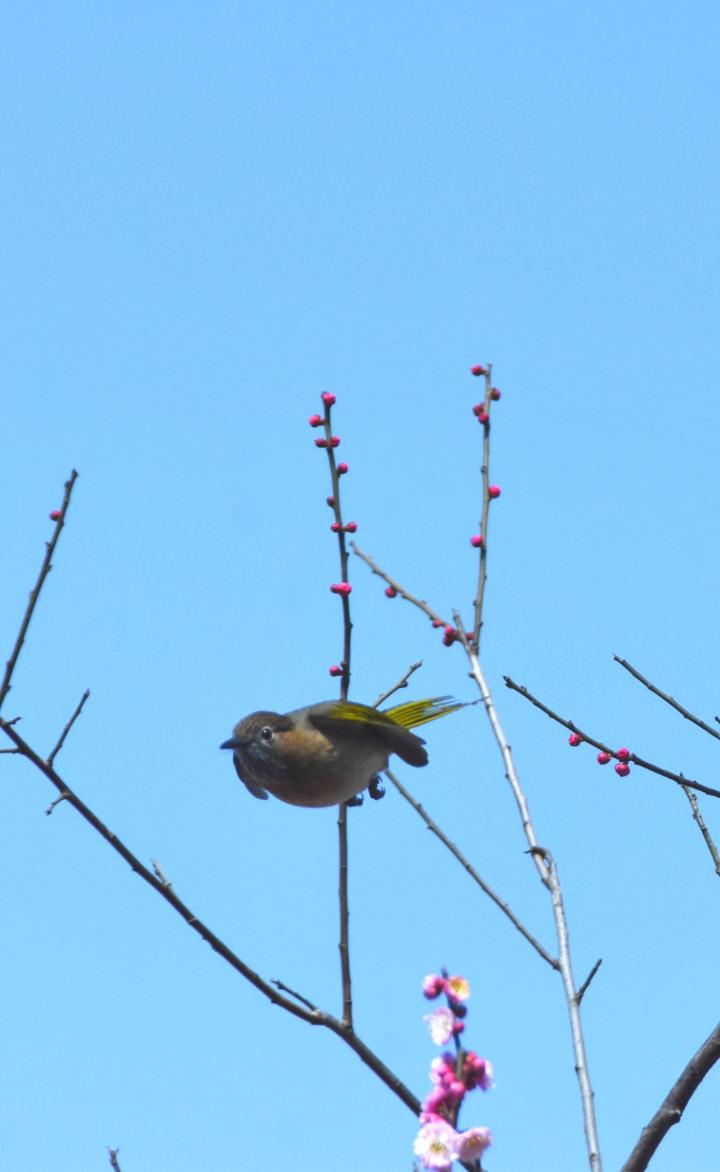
x: 210, y: 214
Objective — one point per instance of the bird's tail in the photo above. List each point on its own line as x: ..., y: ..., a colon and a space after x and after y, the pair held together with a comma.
x: 417, y: 712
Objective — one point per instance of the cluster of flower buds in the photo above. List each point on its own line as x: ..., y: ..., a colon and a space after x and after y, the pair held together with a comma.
x: 622, y: 756
x: 439, y: 1143
x: 351, y: 527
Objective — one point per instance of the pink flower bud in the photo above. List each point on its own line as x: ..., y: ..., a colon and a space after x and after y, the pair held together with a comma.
x: 477, y: 540
x: 343, y: 588
x: 55, y: 515
x: 478, y: 408
x: 574, y: 739
x: 336, y: 670
x: 623, y: 754
x: 342, y: 469
x: 433, y: 984
x: 622, y: 769
x: 603, y: 758
x: 315, y: 420
x: 328, y: 398
x: 482, y: 417
x: 495, y: 394
x: 438, y: 623
x: 335, y: 527
x: 351, y: 527
x: 493, y: 491
x: 478, y: 370
x: 458, y: 1026
x: 331, y: 443
x: 449, y: 636
x: 331, y: 501
x: 391, y: 592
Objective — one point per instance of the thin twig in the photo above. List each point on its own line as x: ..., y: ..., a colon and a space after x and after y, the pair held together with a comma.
x: 68, y: 726
x: 436, y: 619
x: 402, y: 683
x: 343, y: 899
x: 485, y: 475
x: 313, y: 1017
x: 670, y: 1111
x: 641, y: 763
x: 114, y: 1162
x: 586, y: 983
x: 504, y: 907
x: 298, y: 996
x: 35, y: 592
x: 667, y: 698
x: 709, y: 843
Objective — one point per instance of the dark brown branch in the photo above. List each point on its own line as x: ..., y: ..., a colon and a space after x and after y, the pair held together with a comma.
x: 586, y: 983
x: 671, y: 1110
x: 68, y: 726
x: 667, y: 698
x: 113, y: 1157
x: 313, y: 1017
x: 35, y: 592
x: 641, y: 763
x: 504, y: 907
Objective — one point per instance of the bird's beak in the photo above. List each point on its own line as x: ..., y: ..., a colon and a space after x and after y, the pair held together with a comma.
x: 234, y: 743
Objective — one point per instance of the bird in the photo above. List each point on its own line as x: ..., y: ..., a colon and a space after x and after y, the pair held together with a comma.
x: 327, y: 753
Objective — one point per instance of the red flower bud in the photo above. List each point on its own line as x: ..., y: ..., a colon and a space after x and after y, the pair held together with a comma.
x: 343, y: 588
x: 574, y: 740
x: 55, y: 515
x: 623, y: 754
x: 315, y: 420
x: 478, y: 408
x: 603, y: 758
x: 391, y: 592
x: 337, y: 670
x: 622, y: 769
x: 477, y: 540
x: 495, y: 394
x: 482, y: 417
x: 449, y: 636
x: 493, y: 491
x: 331, y: 443
x: 351, y: 527
x: 335, y: 527
x: 328, y: 398
x: 342, y: 469
x: 478, y: 370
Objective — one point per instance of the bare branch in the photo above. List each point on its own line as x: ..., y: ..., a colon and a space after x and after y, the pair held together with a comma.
x: 35, y: 592
x: 586, y: 983
x: 641, y: 763
x: 504, y: 907
x: 313, y: 1017
x: 671, y: 1110
x: 667, y: 698
x: 402, y: 683
x: 435, y: 618
x: 113, y: 1157
x: 694, y: 805
x: 68, y: 726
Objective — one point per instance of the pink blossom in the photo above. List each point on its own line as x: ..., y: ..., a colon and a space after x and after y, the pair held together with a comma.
x: 435, y: 1145
x: 458, y: 988
x: 440, y: 1024
x: 470, y: 1144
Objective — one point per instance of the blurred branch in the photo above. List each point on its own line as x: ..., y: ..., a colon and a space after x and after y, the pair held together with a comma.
x: 484, y: 419
x: 671, y: 1110
x: 313, y: 1017
x: 504, y: 907
x: 402, y: 683
x: 58, y: 523
x: 68, y: 726
x: 667, y: 698
x: 113, y: 1157
x: 641, y: 763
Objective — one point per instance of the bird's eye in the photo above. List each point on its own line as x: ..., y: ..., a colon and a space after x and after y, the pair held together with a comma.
x: 266, y: 733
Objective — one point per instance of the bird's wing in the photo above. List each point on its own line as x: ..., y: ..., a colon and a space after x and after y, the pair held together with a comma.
x: 256, y: 790
x: 348, y: 719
